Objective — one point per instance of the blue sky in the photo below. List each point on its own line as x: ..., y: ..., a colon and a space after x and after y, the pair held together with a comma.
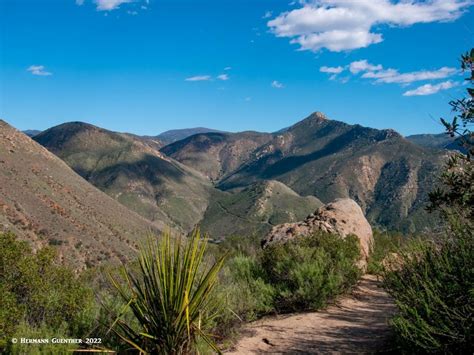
x: 149, y: 66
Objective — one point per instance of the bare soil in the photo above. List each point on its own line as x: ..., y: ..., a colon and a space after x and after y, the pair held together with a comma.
x: 357, y: 323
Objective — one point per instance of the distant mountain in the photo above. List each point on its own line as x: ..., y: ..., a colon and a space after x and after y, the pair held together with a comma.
x: 131, y: 170
x: 437, y: 141
x: 216, y: 154
x: 44, y: 202
x: 386, y: 174
x: 255, y: 209
x: 175, y: 135
x: 31, y: 132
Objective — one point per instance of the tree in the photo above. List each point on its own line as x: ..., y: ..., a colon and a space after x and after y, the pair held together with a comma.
x: 456, y: 195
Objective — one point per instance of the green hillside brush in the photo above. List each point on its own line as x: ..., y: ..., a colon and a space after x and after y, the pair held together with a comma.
x: 434, y: 292
x: 171, y: 296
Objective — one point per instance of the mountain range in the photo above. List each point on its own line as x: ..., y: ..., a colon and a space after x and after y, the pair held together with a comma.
x: 226, y: 183
x: 44, y: 201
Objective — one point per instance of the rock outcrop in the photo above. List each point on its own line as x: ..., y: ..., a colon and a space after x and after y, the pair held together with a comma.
x: 342, y: 216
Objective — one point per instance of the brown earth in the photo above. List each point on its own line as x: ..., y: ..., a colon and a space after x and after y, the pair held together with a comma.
x: 357, y: 323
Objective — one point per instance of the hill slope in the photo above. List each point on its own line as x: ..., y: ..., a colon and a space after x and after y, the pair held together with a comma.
x: 216, y: 154
x: 255, y: 209
x: 133, y: 171
x: 175, y: 135
x: 386, y: 174
x: 43, y: 201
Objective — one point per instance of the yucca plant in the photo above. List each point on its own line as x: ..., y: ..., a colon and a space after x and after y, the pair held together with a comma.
x: 171, y: 296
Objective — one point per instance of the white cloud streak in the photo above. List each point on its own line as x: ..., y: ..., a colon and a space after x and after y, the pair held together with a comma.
x: 199, y: 78
x: 108, y: 5
x: 430, y: 89
x: 331, y: 70
x: 38, y: 70
x: 340, y: 25
x: 223, y: 77
x: 277, y: 85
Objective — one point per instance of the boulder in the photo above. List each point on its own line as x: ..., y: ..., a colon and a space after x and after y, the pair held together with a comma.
x: 342, y: 217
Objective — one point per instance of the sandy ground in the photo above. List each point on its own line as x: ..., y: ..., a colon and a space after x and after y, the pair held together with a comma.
x: 356, y: 324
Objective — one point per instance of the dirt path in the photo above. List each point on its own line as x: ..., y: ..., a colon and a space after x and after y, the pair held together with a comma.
x: 357, y: 324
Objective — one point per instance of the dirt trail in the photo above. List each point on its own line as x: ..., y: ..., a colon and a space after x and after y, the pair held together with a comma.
x: 356, y: 324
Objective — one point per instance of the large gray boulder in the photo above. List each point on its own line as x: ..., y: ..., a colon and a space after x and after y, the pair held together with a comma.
x: 342, y: 217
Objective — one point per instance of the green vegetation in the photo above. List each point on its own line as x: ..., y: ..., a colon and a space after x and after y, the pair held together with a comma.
x: 301, y: 275
x: 433, y: 280
x: 434, y: 292
x: 39, y: 296
x: 386, y: 244
x: 171, y: 297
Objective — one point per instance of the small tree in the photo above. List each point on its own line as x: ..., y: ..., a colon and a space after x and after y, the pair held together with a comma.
x: 456, y: 195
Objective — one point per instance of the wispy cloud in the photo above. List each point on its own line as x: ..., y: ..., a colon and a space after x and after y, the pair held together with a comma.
x: 108, y: 5
x: 340, y: 25
x: 363, y: 65
x: 223, y: 77
x: 277, y: 85
x: 429, y: 89
x: 331, y: 70
x: 393, y: 76
x: 80, y: 2
x: 38, y: 70
x: 199, y: 78
x: 227, y: 68
x: 267, y: 14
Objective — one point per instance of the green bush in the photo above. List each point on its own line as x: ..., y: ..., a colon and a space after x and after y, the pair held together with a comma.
x: 37, y: 292
x: 385, y: 243
x: 310, y: 271
x: 304, y: 274
x: 434, y: 292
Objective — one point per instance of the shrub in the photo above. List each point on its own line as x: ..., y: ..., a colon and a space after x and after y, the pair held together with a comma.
x: 385, y: 243
x: 37, y: 292
x: 434, y: 292
x: 171, y: 297
x: 308, y: 272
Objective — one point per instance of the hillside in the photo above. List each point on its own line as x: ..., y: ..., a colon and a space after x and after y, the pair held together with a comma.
x: 385, y: 173
x: 255, y: 209
x: 175, y: 135
x: 133, y: 171
x: 216, y: 154
x: 437, y: 141
x: 43, y: 201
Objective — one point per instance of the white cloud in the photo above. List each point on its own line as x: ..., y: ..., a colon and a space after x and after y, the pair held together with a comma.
x: 277, y: 85
x: 223, y: 77
x: 267, y: 14
x: 199, y: 78
x: 227, y: 68
x: 363, y: 65
x: 38, y: 70
x: 393, y: 76
x: 340, y: 25
x: 429, y: 89
x: 80, y: 2
x: 108, y: 5
x: 331, y: 70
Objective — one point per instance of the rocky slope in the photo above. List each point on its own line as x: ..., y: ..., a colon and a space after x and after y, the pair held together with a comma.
x: 132, y: 170
x: 388, y: 176
x: 43, y: 201
x: 216, y: 154
x: 255, y: 209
